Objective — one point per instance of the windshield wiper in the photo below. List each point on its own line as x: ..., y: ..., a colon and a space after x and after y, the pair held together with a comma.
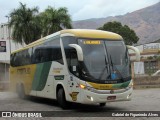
x: 126, y: 56
x: 106, y: 67
x: 116, y: 69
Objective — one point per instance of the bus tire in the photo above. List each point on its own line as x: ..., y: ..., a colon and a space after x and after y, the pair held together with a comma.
x: 102, y: 104
x: 62, y: 99
x: 20, y: 91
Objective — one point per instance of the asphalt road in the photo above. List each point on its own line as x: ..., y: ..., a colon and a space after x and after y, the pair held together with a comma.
x: 142, y: 100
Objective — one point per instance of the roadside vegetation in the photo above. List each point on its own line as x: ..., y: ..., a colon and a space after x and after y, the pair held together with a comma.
x: 127, y: 33
x: 29, y: 24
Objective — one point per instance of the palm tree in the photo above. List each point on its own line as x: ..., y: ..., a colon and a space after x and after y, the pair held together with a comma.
x: 29, y: 26
x: 54, y: 20
x: 24, y: 24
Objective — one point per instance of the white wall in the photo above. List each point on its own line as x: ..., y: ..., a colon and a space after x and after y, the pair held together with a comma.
x: 149, y: 46
x: 139, y: 67
x: 4, y: 36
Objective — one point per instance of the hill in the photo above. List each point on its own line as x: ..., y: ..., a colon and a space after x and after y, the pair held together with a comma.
x: 145, y: 22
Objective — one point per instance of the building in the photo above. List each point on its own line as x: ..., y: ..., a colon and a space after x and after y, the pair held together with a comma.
x: 150, y: 58
x: 7, y: 45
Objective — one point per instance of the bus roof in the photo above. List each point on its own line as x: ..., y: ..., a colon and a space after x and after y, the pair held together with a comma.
x: 89, y: 33
x: 83, y: 33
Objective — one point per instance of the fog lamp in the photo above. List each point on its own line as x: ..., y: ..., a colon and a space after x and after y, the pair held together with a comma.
x: 90, y: 98
x: 129, y: 95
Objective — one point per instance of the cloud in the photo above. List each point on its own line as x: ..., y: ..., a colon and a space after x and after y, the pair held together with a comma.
x: 104, y: 8
x: 79, y: 9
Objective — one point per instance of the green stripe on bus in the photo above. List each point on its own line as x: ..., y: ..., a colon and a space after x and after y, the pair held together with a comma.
x: 121, y: 85
x: 41, y: 75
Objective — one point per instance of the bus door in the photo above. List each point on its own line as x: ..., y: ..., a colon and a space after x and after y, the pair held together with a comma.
x: 73, y: 83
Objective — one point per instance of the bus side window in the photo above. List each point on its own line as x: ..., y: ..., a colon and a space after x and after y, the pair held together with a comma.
x: 13, y: 60
x: 53, y: 50
x: 36, y: 56
x: 18, y: 59
x: 57, y: 54
x: 73, y: 61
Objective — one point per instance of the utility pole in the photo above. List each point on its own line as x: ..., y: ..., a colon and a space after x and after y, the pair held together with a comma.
x: 9, y: 35
x: 9, y: 38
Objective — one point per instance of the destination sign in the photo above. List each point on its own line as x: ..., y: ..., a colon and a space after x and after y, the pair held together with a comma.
x: 95, y: 42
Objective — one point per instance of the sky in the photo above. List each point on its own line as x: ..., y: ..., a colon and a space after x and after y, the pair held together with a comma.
x: 79, y: 9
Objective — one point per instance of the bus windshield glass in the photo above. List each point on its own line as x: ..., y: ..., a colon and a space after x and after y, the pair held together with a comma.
x: 104, y: 60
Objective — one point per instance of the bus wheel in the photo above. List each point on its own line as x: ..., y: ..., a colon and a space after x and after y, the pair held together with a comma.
x: 102, y: 104
x: 20, y: 91
x: 61, y: 98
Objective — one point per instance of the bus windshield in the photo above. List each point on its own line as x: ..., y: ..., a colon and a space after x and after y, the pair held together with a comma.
x: 105, y: 60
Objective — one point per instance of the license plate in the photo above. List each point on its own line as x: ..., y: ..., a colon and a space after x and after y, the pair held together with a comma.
x: 111, y: 97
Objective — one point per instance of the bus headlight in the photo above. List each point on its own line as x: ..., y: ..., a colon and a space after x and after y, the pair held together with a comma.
x: 82, y: 86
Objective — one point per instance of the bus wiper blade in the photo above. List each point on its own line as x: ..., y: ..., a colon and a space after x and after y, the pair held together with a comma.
x: 106, y: 64
x: 114, y: 66
x: 105, y: 67
x: 126, y: 56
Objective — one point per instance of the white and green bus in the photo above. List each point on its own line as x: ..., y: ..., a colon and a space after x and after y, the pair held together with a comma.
x: 75, y: 65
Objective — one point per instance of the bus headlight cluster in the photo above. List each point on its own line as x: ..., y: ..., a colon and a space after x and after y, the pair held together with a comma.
x: 82, y: 86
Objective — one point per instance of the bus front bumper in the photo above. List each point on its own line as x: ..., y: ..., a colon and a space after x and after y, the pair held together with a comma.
x: 90, y: 97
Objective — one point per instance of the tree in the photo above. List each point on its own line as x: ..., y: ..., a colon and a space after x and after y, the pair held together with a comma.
x: 53, y: 20
x: 128, y: 34
x: 23, y: 22
x: 28, y: 25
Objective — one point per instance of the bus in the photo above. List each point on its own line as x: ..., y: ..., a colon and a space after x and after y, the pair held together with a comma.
x: 74, y: 65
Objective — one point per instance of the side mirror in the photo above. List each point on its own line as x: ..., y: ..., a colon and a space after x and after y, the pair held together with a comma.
x: 135, y: 55
x: 79, y: 51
